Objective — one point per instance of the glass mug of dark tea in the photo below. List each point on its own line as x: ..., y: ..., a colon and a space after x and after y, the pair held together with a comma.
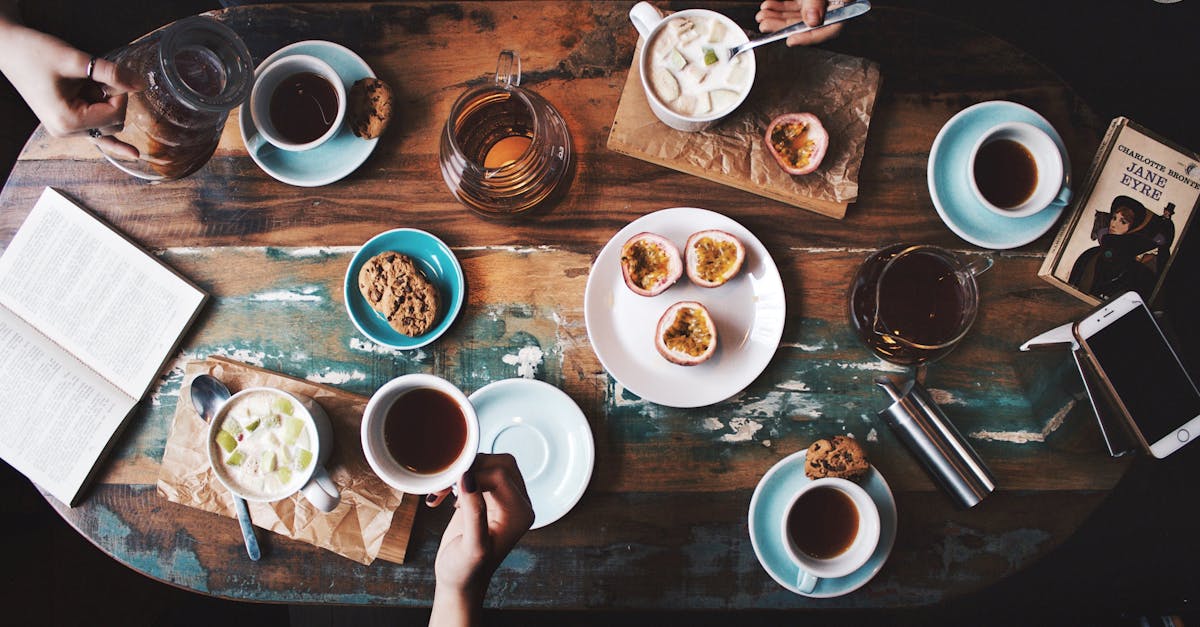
x: 830, y: 528
x: 1016, y: 170
x: 505, y: 150
x: 420, y: 433
x: 911, y: 304
x: 298, y: 103
x: 191, y: 74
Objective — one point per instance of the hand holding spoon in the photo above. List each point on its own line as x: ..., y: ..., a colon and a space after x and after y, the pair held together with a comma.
x: 834, y: 16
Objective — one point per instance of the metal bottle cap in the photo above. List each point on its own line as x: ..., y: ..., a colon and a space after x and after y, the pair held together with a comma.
x: 937, y: 444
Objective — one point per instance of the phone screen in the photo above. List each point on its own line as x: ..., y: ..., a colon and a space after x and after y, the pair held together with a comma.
x: 1145, y: 374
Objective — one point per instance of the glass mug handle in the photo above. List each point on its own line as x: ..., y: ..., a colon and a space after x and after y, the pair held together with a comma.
x: 979, y: 266
x: 508, y: 69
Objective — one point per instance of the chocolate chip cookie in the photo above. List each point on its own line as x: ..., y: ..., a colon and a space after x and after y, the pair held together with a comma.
x: 369, y: 107
x: 838, y: 456
x: 395, y: 287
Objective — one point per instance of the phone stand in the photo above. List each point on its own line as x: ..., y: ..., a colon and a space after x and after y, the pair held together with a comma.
x: 1108, y: 413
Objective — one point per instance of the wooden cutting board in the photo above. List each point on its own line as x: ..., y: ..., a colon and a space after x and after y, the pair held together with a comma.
x: 839, y: 89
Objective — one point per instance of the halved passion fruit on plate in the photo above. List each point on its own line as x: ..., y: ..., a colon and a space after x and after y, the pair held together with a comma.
x: 713, y: 257
x: 687, y: 334
x: 650, y: 264
x: 798, y: 142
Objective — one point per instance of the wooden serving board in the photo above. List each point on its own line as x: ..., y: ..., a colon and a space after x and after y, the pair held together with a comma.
x: 372, y: 521
x: 840, y: 89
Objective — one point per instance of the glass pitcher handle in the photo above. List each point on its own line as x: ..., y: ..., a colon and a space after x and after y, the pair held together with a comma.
x: 508, y: 69
x: 979, y: 266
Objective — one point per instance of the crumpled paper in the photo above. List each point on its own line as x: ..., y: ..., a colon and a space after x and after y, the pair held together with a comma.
x: 839, y: 89
x: 372, y: 520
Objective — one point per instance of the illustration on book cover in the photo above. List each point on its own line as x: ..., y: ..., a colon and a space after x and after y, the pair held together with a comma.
x: 1142, y: 195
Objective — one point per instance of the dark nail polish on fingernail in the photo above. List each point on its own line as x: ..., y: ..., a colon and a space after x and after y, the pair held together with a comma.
x: 430, y: 499
x: 468, y: 482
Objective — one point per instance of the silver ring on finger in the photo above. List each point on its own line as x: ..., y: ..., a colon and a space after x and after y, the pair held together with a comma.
x: 94, y: 133
x: 91, y: 67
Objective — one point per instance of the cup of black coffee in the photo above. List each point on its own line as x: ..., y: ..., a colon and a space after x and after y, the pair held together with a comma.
x: 420, y: 433
x: 830, y: 528
x: 298, y: 103
x: 1016, y: 170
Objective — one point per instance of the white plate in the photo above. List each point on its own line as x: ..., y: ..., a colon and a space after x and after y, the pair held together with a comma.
x: 749, y: 312
x: 548, y: 435
x: 332, y: 160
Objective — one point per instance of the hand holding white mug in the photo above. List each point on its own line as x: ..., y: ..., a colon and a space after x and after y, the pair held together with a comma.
x: 493, y: 513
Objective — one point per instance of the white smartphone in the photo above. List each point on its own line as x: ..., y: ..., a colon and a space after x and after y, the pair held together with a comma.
x: 1143, y: 373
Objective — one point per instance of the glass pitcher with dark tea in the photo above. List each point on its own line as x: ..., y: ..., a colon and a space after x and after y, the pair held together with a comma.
x: 191, y: 74
x: 911, y: 304
x: 504, y: 149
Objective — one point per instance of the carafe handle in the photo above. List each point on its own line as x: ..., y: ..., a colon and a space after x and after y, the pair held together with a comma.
x: 508, y: 69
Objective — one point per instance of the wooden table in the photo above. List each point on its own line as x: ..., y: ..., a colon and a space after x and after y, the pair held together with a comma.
x: 663, y: 523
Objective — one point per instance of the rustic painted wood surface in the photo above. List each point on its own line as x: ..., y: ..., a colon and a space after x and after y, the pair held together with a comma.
x: 663, y: 523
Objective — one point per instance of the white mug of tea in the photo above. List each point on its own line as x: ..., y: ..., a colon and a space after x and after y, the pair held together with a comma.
x: 420, y: 433
x: 689, y: 79
x: 1016, y: 170
x: 266, y: 444
x: 830, y: 529
x: 298, y: 102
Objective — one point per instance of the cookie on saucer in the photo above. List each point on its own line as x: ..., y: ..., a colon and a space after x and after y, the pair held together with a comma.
x: 369, y: 107
x: 838, y: 456
x: 395, y: 287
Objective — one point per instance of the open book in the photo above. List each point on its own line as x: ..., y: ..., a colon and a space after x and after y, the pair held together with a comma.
x: 87, y: 320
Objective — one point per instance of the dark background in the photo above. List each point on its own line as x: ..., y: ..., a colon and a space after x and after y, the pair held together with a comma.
x: 1131, y: 564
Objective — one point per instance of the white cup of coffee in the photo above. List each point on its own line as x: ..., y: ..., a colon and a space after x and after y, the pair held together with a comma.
x: 830, y: 528
x: 298, y: 102
x: 266, y: 444
x: 420, y: 433
x: 1016, y: 170
x: 685, y: 90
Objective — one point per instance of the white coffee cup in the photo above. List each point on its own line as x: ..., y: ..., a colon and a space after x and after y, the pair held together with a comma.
x: 268, y: 79
x: 312, y: 481
x: 649, y: 22
x: 1048, y: 163
x: 860, y: 549
x: 393, y: 472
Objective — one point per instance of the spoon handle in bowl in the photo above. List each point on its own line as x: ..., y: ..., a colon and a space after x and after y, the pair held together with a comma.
x: 243, y: 514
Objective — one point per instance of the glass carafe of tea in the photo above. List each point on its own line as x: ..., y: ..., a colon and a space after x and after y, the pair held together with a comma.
x: 504, y: 149
x: 913, y: 303
x: 191, y: 73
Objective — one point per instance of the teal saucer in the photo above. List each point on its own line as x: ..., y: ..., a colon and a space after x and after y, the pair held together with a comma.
x: 951, y: 191
x: 767, y: 507
x: 332, y: 160
x: 438, y: 263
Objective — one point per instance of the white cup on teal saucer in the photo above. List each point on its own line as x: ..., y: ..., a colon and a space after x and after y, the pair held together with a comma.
x: 830, y: 528
x: 1016, y: 170
x: 269, y: 84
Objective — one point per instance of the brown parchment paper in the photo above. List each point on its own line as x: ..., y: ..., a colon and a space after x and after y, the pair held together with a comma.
x: 372, y: 520
x: 837, y: 88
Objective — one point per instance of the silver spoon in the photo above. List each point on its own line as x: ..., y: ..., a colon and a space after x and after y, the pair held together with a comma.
x: 208, y: 395
x: 834, y: 16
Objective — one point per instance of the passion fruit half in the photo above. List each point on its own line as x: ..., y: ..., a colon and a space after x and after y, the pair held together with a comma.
x: 650, y: 264
x: 798, y: 142
x: 713, y: 257
x: 687, y: 334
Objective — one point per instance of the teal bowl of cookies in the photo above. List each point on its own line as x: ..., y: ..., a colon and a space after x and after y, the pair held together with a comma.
x: 404, y: 288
